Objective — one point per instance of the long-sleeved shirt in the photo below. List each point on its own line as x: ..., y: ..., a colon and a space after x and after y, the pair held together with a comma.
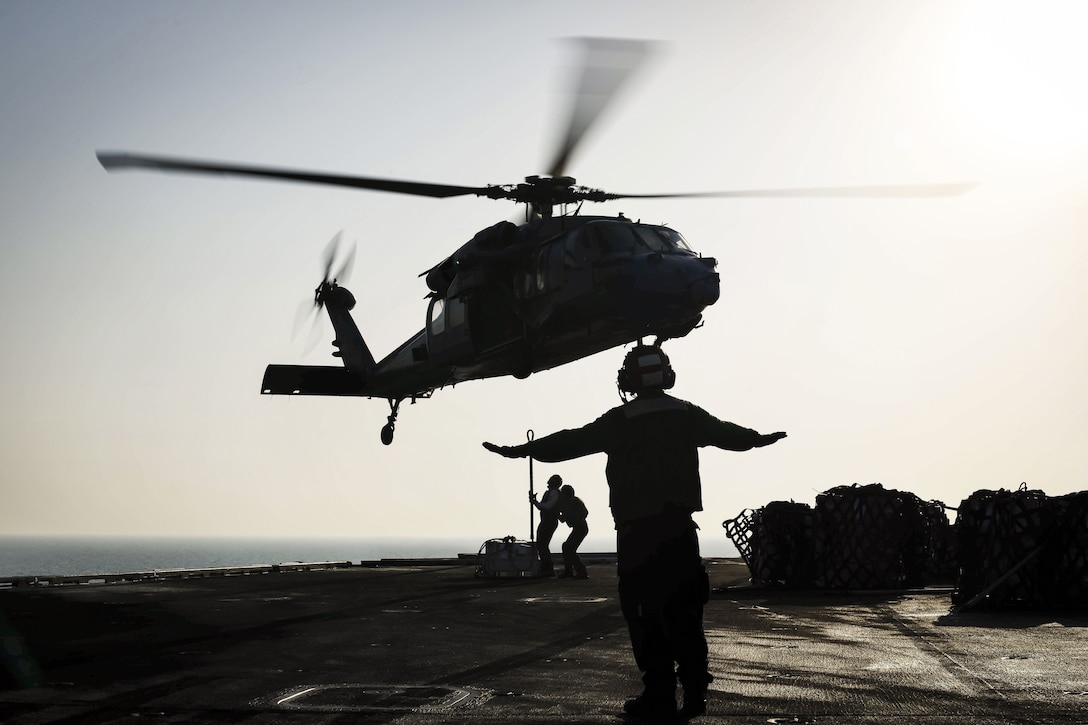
x: 549, y: 504
x: 652, y: 445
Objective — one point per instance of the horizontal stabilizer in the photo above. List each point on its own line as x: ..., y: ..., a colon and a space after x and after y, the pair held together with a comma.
x: 311, y: 380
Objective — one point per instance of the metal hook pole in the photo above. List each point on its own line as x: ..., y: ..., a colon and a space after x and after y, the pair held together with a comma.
x: 532, y: 529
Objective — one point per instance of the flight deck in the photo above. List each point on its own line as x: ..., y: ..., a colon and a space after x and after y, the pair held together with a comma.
x: 429, y: 642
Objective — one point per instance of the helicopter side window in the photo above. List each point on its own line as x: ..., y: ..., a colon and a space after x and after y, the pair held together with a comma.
x: 541, y: 275
x: 575, y: 254
x: 545, y: 271
x: 455, y: 311
x: 438, y: 320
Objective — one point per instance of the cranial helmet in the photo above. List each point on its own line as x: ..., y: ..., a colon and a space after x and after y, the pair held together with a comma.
x: 646, y: 367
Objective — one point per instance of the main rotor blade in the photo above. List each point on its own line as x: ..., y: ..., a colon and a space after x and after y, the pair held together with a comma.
x: 900, y: 190
x: 115, y: 161
x: 608, y: 63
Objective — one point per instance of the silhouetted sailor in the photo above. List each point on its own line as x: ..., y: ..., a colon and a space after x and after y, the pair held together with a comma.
x: 573, y: 512
x: 652, y: 444
x: 548, y: 506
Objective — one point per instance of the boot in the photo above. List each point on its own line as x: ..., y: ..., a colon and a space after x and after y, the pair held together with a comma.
x: 694, y: 703
x: 695, y: 687
x: 651, y: 709
x: 657, y: 703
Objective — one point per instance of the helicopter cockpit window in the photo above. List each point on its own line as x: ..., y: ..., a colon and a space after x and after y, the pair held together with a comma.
x: 674, y: 239
x: 617, y: 239
x: 663, y: 239
x: 634, y: 238
x: 652, y: 239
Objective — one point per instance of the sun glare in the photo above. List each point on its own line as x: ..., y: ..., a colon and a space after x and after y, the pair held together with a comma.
x: 1019, y: 73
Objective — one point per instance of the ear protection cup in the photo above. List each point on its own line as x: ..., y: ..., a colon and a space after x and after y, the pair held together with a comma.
x: 670, y: 377
x: 646, y: 366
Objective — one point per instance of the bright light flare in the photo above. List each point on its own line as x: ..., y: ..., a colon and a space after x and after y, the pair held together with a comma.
x: 1019, y: 73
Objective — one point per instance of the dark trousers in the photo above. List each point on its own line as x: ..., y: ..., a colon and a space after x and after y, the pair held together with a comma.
x: 663, y: 588
x: 579, y: 530
x: 544, y: 531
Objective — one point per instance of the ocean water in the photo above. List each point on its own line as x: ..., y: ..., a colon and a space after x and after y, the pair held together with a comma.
x: 42, y: 555
x: 35, y: 555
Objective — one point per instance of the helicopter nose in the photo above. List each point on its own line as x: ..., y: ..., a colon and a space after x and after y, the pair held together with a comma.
x: 670, y: 290
x: 706, y: 289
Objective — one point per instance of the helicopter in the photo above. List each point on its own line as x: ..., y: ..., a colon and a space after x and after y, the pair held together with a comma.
x: 516, y: 299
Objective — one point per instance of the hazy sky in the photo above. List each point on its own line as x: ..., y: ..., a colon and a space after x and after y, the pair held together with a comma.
x: 937, y: 346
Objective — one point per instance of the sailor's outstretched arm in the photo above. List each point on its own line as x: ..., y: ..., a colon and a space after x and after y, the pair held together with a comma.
x: 508, y: 451
x: 562, y: 445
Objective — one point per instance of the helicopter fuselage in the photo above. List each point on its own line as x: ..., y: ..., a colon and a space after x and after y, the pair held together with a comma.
x: 516, y: 300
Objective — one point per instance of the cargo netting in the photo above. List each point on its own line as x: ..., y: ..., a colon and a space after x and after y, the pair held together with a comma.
x: 1006, y: 549
x: 856, y: 537
x: 1022, y: 550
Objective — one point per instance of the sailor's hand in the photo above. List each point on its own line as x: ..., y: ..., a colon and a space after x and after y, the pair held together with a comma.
x: 532, y: 497
x: 507, y: 451
x: 769, y: 438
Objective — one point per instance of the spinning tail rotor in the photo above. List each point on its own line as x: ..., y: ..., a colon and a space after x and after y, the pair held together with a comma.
x: 308, y: 311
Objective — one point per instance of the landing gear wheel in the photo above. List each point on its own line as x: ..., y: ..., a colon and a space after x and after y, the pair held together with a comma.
x: 388, y: 428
